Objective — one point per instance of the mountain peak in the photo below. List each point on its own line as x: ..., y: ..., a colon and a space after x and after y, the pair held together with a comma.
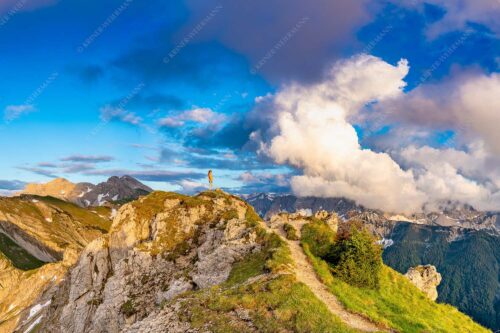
x: 59, y: 181
x: 87, y: 194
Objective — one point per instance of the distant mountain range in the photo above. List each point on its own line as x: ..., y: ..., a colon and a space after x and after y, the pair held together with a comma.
x: 448, y: 214
x: 115, y: 189
x: 463, y: 243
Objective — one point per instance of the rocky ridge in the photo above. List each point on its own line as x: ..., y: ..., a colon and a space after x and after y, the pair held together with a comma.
x: 115, y: 189
x: 158, y: 247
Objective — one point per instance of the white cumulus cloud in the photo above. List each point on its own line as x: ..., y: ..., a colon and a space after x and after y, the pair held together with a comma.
x: 470, y: 176
x: 312, y: 130
x: 467, y: 103
x: 313, y: 134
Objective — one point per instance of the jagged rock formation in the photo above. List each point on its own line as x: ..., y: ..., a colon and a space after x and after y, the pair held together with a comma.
x: 46, y: 227
x: 115, y: 189
x: 425, y: 278
x: 158, y: 247
x: 299, y: 218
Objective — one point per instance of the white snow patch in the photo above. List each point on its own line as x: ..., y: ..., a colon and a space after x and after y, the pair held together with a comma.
x: 34, y: 201
x: 36, y: 309
x: 115, y: 198
x: 33, y: 324
x: 48, y: 219
x: 100, y: 200
x: 113, y: 213
x: 81, y: 194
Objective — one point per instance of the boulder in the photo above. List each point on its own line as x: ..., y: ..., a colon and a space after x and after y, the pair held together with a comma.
x: 425, y: 278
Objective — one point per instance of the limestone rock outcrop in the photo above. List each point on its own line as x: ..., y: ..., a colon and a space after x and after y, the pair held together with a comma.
x: 425, y: 278
x: 159, y: 246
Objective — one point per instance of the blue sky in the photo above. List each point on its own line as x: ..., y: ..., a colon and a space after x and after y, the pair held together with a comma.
x: 166, y: 90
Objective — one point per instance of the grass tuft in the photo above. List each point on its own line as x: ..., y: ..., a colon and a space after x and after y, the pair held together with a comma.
x: 290, y: 232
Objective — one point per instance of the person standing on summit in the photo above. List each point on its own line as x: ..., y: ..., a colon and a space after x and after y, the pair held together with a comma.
x: 210, y: 179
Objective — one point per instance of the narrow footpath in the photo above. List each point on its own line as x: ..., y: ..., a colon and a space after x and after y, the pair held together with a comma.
x: 305, y: 273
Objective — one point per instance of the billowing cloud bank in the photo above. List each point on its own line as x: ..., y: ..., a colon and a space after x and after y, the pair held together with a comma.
x: 312, y: 130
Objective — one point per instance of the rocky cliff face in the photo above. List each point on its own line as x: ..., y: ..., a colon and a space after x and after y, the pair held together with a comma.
x: 158, y: 247
x: 33, y: 232
x: 425, y: 278
x: 115, y: 189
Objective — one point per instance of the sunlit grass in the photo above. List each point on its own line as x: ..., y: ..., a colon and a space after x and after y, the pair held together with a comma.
x: 397, y: 303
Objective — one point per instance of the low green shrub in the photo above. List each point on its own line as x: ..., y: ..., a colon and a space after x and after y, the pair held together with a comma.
x: 290, y: 231
x: 319, y: 237
x: 356, y: 259
x: 352, y: 254
x: 128, y: 308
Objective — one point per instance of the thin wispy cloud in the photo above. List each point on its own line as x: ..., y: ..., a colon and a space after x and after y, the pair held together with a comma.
x: 109, y: 113
x: 204, y: 116
x: 150, y: 175
x: 39, y: 171
x: 11, y: 185
x: 13, y: 112
x: 88, y: 158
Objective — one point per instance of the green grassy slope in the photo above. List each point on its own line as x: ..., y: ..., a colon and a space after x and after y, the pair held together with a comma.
x: 396, y: 303
x: 470, y: 267
x: 262, y: 288
x: 85, y: 216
